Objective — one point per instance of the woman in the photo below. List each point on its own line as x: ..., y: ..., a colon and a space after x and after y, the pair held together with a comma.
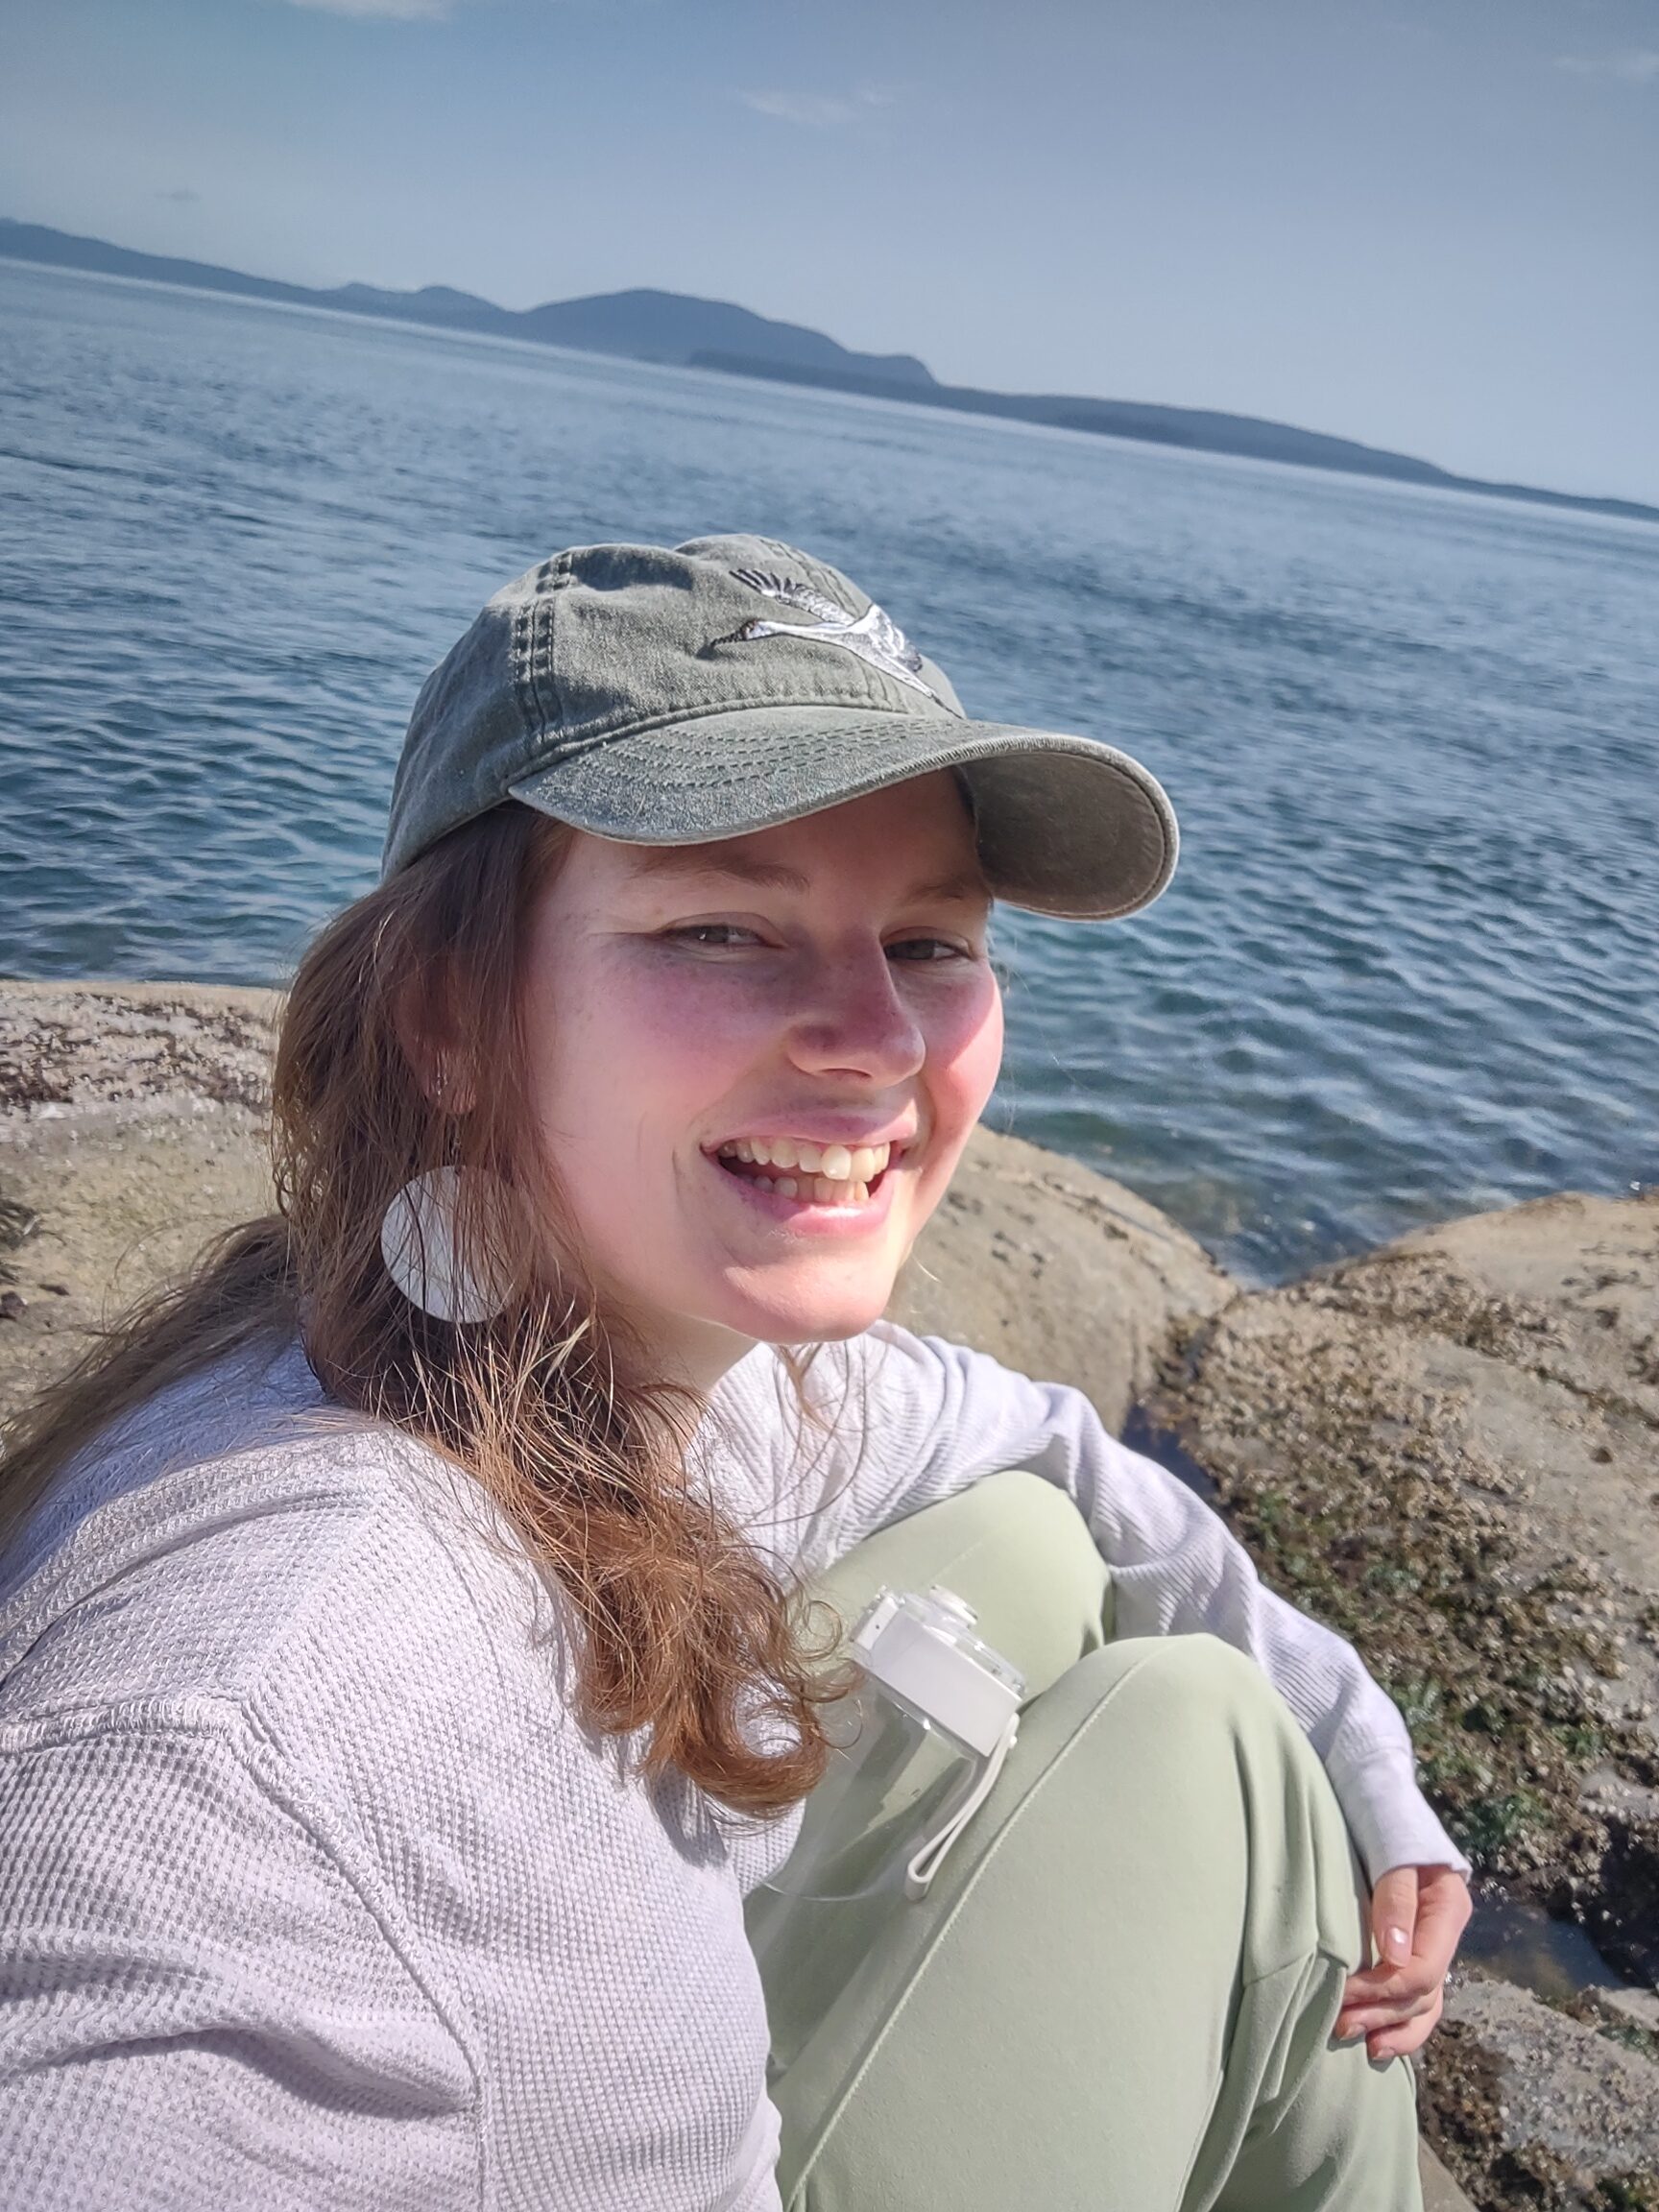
x: 403, y: 1671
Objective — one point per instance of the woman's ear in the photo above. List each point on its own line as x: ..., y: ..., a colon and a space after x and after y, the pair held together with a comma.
x: 430, y: 1048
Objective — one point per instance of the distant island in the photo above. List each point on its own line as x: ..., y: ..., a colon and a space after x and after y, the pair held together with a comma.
x: 687, y: 332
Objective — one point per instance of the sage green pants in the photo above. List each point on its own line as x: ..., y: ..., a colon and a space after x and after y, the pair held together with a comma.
x: 1118, y: 1994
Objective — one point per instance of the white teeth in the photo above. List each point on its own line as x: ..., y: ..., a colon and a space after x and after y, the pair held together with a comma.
x: 829, y: 1173
x: 815, y: 1189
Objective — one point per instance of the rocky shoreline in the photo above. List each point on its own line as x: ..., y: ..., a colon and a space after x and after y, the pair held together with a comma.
x: 1449, y: 1449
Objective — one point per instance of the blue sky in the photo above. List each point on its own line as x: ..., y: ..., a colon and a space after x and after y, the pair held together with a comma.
x: 1432, y: 224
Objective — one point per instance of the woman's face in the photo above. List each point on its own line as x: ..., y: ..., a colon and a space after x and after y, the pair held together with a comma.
x: 756, y: 1063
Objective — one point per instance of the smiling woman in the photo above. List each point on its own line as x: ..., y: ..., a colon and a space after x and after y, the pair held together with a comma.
x: 407, y: 1661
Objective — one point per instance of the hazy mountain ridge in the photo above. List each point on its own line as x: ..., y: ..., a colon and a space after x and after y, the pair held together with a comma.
x: 1200, y: 430
x: 642, y: 325
x: 681, y: 329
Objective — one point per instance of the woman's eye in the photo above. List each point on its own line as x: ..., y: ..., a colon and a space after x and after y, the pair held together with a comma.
x: 927, y: 949
x: 713, y: 933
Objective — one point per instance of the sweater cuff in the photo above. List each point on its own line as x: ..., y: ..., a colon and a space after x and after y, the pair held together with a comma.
x: 1390, y: 1820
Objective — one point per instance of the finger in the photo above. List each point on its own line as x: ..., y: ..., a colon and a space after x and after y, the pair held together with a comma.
x: 1371, y: 2023
x: 1397, y: 2042
x: 1393, y: 1985
x: 1443, y: 1910
x: 1394, y: 1914
x: 1363, y: 2019
x: 1444, y: 1907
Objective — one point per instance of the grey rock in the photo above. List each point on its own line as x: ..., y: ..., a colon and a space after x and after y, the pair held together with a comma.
x: 1440, y: 2192
x: 1629, y: 2008
x: 1553, y: 1385
x: 132, y: 1130
x: 1058, y: 1272
x: 1562, y: 2085
x: 66, y: 1045
x: 1492, y: 1382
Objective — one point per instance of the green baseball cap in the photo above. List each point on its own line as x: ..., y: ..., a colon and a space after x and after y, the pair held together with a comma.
x: 672, y: 697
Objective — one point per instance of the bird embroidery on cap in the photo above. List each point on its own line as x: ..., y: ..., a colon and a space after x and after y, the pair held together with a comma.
x: 873, y: 635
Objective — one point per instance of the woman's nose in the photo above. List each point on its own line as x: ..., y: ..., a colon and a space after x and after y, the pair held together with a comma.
x: 854, y: 1019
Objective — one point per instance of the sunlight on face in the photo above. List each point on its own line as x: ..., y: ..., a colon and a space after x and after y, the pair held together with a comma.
x: 756, y: 1063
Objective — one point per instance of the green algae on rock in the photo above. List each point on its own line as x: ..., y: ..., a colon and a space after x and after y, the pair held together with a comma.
x: 1447, y: 1451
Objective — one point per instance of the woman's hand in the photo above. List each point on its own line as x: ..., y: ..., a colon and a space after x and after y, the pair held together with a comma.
x: 1417, y: 1916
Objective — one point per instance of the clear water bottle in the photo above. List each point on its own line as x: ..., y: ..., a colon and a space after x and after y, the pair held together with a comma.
x: 917, y: 1747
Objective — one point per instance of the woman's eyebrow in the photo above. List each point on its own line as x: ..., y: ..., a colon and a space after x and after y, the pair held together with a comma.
x: 676, y: 860
x: 967, y: 887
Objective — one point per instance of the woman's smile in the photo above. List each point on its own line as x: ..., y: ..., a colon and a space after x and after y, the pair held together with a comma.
x: 819, y: 1188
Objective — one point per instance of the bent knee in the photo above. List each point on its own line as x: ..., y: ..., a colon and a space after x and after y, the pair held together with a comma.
x: 1199, y: 1723
x: 1019, y: 1510
x: 1190, y: 1667
x: 1202, y: 1699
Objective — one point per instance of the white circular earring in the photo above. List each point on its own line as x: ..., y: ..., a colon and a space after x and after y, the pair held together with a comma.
x: 421, y: 1244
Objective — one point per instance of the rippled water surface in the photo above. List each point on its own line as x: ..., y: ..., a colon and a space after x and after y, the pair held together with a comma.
x: 1407, y: 968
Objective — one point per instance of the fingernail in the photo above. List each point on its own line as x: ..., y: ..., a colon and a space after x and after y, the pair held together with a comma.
x: 1397, y: 1945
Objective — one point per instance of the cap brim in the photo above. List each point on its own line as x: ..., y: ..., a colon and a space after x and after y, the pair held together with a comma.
x: 1066, y: 825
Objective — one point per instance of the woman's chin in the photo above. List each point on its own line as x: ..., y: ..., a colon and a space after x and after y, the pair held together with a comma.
x: 812, y: 1315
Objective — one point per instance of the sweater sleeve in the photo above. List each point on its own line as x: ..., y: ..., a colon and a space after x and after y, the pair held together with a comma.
x: 935, y: 1417
x: 198, y: 2006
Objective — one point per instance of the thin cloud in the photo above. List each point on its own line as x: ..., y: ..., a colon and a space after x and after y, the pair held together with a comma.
x: 1640, y: 65
x: 183, y: 195
x: 818, y: 110
x: 381, y: 10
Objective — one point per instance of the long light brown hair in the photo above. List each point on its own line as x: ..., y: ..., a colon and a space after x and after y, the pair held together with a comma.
x: 687, y: 1636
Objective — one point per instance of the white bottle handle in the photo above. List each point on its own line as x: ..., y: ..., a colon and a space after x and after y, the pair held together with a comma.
x: 931, y: 1857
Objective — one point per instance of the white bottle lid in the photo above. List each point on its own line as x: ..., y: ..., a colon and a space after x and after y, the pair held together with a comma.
x: 923, y: 1650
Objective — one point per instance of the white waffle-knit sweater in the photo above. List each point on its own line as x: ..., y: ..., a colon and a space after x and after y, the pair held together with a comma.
x: 313, y: 1894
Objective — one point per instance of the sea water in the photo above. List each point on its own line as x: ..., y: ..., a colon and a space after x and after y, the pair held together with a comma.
x: 1407, y: 968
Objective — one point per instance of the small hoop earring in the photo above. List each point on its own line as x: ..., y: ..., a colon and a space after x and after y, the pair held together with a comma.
x: 421, y: 1245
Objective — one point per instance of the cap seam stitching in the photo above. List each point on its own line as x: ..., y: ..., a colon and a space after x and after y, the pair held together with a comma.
x: 1034, y: 740
x: 544, y: 704
x: 603, y: 733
